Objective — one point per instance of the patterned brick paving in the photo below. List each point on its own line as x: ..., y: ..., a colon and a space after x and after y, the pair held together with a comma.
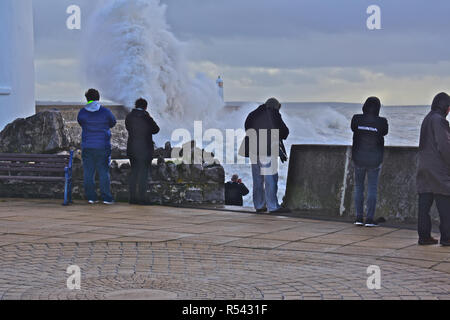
x: 158, y: 252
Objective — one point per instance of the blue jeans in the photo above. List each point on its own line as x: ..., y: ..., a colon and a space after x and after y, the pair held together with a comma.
x: 265, y: 188
x: 360, y: 177
x: 97, y: 160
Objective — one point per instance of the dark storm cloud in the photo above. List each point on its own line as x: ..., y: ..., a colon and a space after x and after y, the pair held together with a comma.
x: 244, y: 37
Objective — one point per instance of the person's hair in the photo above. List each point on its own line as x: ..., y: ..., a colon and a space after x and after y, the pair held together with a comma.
x: 235, y: 178
x: 141, y: 103
x: 92, y: 95
x: 273, y: 104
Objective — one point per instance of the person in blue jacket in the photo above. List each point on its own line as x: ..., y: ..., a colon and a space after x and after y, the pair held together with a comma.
x: 96, y: 122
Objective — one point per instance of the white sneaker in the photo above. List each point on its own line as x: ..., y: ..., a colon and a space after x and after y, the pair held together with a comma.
x: 92, y: 202
x: 108, y: 202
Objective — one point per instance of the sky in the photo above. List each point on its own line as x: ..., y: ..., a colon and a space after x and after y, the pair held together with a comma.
x: 295, y: 50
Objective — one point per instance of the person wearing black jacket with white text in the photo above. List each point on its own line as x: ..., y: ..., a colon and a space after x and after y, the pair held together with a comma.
x: 141, y: 127
x: 369, y: 130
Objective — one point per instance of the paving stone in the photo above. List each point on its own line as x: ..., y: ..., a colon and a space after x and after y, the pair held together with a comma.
x: 198, y: 254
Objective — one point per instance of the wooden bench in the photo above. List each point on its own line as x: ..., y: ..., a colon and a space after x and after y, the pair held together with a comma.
x: 38, y: 168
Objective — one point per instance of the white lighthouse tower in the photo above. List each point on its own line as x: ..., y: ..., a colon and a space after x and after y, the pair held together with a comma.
x: 16, y: 60
x: 219, y: 83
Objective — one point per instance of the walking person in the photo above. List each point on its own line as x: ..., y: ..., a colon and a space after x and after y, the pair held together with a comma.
x: 263, y: 122
x: 141, y: 127
x: 96, y: 122
x: 234, y: 191
x: 369, y: 130
x: 433, y: 176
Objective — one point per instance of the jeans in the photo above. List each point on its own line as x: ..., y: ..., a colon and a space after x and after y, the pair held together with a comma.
x: 265, y: 188
x: 424, y: 220
x: 139, y: 178
x: 97, y: 160
x: 360, y: 177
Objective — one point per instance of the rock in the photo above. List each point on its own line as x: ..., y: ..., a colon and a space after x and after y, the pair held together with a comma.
x: 119, y: 138
x: 214, y: 173
x: 41, y: 133
x: 163, y: 153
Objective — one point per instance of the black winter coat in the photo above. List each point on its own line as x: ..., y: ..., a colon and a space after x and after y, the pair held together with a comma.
x: 234, y: 192
x: 369, y: 130
x: 433, y: 174
x: 264, y: 118
x: 140, y: 126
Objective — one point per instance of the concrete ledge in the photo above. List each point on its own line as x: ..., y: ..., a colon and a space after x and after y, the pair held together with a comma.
x: 5, y: 91
x: 70, y: 111
x: 321, y: 180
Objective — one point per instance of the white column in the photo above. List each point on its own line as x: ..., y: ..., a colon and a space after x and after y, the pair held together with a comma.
x: 16, y: 60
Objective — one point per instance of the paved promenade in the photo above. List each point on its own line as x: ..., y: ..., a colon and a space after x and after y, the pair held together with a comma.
x: 169, y: 253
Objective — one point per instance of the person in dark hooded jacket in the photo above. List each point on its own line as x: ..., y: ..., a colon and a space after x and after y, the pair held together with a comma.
x: 369, y: 130
x: 141, y: 127
x: 265, y: 122
x: 433, y: 176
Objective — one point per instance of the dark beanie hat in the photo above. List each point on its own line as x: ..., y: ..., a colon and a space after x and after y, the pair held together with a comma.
x: 372, y: 106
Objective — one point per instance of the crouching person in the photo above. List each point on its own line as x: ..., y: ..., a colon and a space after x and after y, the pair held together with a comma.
x: 234, y: 191
x: 96, y: 123
x: 141, y: 127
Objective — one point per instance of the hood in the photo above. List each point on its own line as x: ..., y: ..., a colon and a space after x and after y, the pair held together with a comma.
x: 441, y: 103
x: 139, y: 112
x: 372, y: 106
x: 93, y: 106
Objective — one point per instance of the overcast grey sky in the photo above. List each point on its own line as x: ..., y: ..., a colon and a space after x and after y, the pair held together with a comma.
x: 297, y: 50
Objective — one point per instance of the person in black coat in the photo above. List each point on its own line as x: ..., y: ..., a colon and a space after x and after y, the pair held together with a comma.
x: 433, y: 175
x: 234, y: 191
x: 264, y: 163
x: 369, y: 130
x: 141, y: 127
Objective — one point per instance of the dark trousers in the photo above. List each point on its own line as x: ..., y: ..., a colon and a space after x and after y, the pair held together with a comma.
x: 97, y: 160
x: 139, y: 178
x: 424, y: 220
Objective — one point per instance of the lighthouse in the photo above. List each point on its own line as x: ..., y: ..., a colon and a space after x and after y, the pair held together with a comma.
x: 219, y: 82
x: 16, y: 60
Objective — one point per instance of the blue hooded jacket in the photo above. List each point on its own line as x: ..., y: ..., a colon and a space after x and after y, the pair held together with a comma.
x: 96, y: 122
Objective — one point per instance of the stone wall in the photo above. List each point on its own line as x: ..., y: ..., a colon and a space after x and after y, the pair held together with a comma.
x: 169, y: 183
x: 321, y: 180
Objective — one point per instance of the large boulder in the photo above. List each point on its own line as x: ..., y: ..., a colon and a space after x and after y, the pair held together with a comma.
x: 41, y: 133
x: 119, y: 137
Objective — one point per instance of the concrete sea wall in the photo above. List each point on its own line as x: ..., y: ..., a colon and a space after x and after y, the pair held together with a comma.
x: 321, y: 180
